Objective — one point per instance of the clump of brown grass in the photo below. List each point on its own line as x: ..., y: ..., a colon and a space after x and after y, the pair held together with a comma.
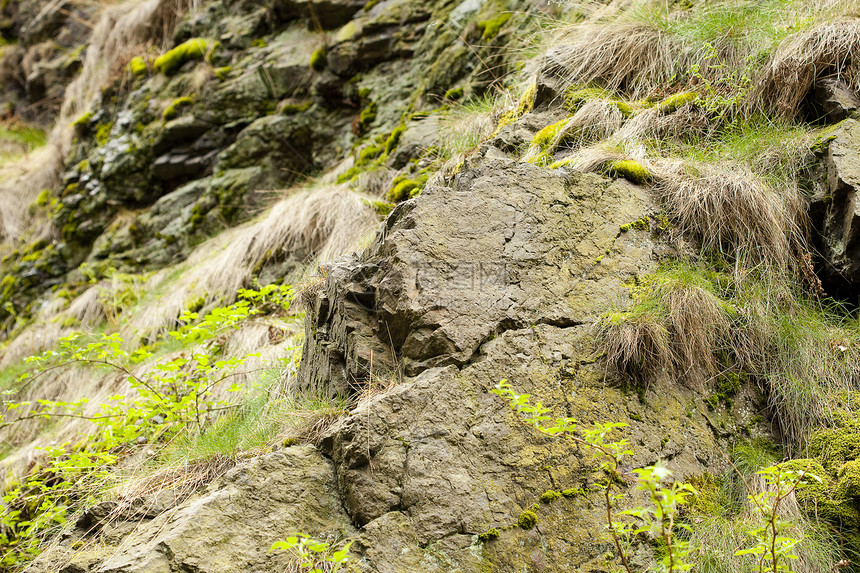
x: 636, y: 342
x: 686, y: 124
x: 311, y: 224
x: 733, y: 213
x: 594, y: 121
x: 631, y: 58
x: 825, y: 50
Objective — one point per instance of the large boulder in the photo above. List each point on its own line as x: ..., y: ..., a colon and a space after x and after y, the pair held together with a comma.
x: 508, y: 246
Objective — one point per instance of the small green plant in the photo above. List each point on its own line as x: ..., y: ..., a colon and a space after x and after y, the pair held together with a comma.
x: 175, y: 394
x: 774, y: 549
x: 723, y: 97
x: 659, y: 520
x: 314, y: 556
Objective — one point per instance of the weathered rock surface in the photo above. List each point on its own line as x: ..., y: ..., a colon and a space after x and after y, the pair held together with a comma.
x: 832, y: 101
x: 498, y: 276
x: 509, y: 245
x: 835, y: 208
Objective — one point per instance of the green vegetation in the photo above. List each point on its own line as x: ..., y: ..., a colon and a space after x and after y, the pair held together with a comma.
x: 629, y: 169
x: 490, y: 28
x: 313, y: 556
x: 527, y: 520
x: 768, y: 537
x: 294, y: 108
x: 172, y: 110
x: 318, y: 60
x: 137, y: 66
x: 173, y: 404
x: 172, y: 60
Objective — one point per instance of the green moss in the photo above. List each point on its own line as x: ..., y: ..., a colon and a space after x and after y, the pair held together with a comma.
x: 137, y: 66
x: 368, y: 154
x: 625, y: 108
x: 172, y: 60
x: 44, y: 198
x: 547, y: 135
x: 730, y: 383
x: 673, y: 102
x: 524, y: 105
x: 370, y: 4
x: 562, y: 162
x: 103, y: 133
x: 367, y: 116
x: 454, y: 93
x: 381, y: 208
x: 835, y: 446
x: 223, y: 72
x: 348, y: 174
x: 574, y: 97
x: 393, y: 139
x: 259, y: 43
x: 172, y: 111
x: 550, y: 496
x: 629, y: 169
x: 489, y: 535
x: 318, y: 60
x: 491, y: 27
x: 527, y: 520
x: 624, y: 228
x: 402, y: 190
x: 574, y: 492
x: 83, y: 121
x: 643, y: 224
x: 294, y: 108
x: 196, y: 304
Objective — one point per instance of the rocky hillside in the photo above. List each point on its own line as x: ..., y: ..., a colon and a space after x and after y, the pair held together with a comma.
x: 399, y: 286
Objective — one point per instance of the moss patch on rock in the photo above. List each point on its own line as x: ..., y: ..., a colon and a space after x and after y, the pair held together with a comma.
x: 318, y: 60
x: 172, y: 111
x: 673, y: 102
x: 172, y: 60
x: 629, y: 169
x: 491, y: 27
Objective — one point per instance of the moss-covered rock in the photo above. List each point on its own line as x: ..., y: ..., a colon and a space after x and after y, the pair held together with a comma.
x: 629, y: 169
x: 172, y: 111
x: 673, y: 102
x: 172, y: 60
x: 490, y: 28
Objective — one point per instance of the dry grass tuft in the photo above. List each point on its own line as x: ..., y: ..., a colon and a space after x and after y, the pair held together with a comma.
x: 685, y: 124
x: 636, y: 342
x: 733, y: 213
x: 594, y: 121
x: 319, y: 224
x: 825, y: 50
x: 629, y: 58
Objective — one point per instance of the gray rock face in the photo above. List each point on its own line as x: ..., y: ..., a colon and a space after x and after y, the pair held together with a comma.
x: 497, y: 277
x: 835, y: 208
x: 831, y: 101
x: 509, y: 245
